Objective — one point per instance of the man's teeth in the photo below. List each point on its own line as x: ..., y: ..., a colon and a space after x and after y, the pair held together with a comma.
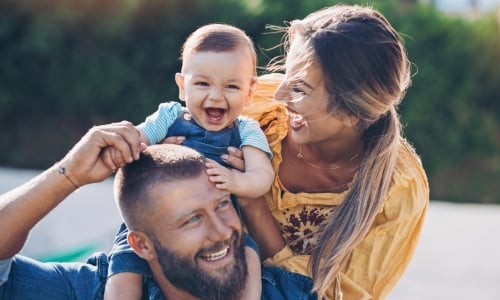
x: 216, y: 255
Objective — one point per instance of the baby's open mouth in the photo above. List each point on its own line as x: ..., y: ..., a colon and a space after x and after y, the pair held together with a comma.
x: 215, y: 114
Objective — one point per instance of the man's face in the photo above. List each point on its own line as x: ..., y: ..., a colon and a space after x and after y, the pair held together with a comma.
x: 197, y: 238
x: 185, y: 274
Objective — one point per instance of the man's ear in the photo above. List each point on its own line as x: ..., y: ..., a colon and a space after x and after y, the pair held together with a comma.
x: 141, y: 245
x: 179, y: 80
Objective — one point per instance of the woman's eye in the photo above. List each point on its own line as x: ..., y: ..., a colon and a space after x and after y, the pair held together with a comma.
x: 298, y: 90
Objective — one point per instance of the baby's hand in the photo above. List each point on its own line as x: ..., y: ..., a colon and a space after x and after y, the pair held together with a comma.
x: 221, y: 176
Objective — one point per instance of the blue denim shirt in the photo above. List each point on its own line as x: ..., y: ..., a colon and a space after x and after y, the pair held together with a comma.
x: 30, y: 279
x: 277, y: 284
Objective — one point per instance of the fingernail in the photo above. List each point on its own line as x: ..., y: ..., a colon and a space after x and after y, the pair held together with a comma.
x: 224, y: 157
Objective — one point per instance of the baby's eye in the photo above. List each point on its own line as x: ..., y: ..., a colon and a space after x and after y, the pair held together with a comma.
x: 201, y: 83
x: 233, y: 86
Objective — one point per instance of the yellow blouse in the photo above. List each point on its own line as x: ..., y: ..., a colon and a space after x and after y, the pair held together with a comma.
x: 379, y: 261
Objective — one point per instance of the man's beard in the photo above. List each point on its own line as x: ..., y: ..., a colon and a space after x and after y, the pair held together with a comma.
x: 185, y: 274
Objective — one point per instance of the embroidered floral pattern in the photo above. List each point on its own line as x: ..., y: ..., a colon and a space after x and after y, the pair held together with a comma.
x: 302, y: 227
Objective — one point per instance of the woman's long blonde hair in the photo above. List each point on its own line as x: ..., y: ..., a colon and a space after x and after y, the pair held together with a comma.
x: 366, y: 73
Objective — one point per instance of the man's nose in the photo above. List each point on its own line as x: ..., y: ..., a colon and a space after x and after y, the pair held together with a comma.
x: 219, y: 229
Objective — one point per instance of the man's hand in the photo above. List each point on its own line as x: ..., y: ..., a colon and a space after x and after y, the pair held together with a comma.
x: 101, y: 151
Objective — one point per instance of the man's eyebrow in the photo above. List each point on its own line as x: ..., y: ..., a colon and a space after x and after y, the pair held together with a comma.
x: 179, y: 218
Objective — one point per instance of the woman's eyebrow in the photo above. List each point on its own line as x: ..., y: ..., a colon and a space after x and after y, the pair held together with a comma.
x: 305, y: 83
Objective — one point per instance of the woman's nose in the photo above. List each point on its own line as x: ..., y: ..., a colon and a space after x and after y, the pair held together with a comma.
x: 282, y: 93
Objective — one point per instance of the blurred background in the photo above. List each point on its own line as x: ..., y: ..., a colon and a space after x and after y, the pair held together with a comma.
x: 66, y: 65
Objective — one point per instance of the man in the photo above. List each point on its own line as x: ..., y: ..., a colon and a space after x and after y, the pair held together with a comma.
x: 186, y: 229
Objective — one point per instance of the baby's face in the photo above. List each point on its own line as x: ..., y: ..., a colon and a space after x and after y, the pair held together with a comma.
x: 216, y: 86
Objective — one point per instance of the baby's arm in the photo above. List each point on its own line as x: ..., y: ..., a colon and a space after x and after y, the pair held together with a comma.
x: 142, y: 136
x: 254, y: 182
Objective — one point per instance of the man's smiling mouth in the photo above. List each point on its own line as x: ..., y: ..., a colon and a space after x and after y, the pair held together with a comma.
x: 217, y: 255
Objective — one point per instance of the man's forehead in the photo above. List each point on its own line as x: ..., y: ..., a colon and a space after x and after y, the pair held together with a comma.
x: 186, y: 194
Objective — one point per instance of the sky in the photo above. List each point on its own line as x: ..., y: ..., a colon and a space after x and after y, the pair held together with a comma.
x: 460, y: 5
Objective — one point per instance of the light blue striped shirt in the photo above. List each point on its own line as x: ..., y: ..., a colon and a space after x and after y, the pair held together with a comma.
x: 155, y: 127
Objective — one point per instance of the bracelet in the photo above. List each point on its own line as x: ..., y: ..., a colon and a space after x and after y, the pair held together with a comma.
x: 62, y: 170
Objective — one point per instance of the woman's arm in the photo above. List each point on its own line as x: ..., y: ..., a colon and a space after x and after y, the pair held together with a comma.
x: 261, y: 226
x: 256, y: 214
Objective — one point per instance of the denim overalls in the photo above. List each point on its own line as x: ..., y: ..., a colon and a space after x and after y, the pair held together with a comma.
x: 212, y: 144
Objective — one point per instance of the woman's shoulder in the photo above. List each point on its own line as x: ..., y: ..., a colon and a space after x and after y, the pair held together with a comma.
x: 409, y: 165
x: 410, y: 187
x: 270, y: 114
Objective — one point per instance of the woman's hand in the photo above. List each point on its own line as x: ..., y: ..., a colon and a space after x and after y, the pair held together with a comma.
x: 178, y: 140
x: 234, y: 158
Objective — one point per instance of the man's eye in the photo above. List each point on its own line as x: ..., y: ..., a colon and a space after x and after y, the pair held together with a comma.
x: 192, y: 220
x: 223, y: 204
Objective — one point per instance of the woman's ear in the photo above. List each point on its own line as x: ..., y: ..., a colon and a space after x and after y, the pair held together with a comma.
x: 350, y: 120
x: 179, y: 80
x: 141, y: 245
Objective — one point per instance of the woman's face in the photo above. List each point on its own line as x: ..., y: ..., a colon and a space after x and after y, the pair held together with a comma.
x: 307, y: 100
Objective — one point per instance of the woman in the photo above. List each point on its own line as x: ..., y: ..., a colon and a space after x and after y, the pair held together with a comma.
x: 350, y: 194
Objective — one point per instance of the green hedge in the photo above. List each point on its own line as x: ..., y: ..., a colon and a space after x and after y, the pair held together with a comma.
x: 68, y: 65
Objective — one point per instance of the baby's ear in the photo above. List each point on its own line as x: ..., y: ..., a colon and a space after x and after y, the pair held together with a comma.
x: 252, y: 90
x: 141, y: 245
x: 179, y: 80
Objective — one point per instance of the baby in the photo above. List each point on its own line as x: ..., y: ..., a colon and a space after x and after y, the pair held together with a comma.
x: 217, y: 80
